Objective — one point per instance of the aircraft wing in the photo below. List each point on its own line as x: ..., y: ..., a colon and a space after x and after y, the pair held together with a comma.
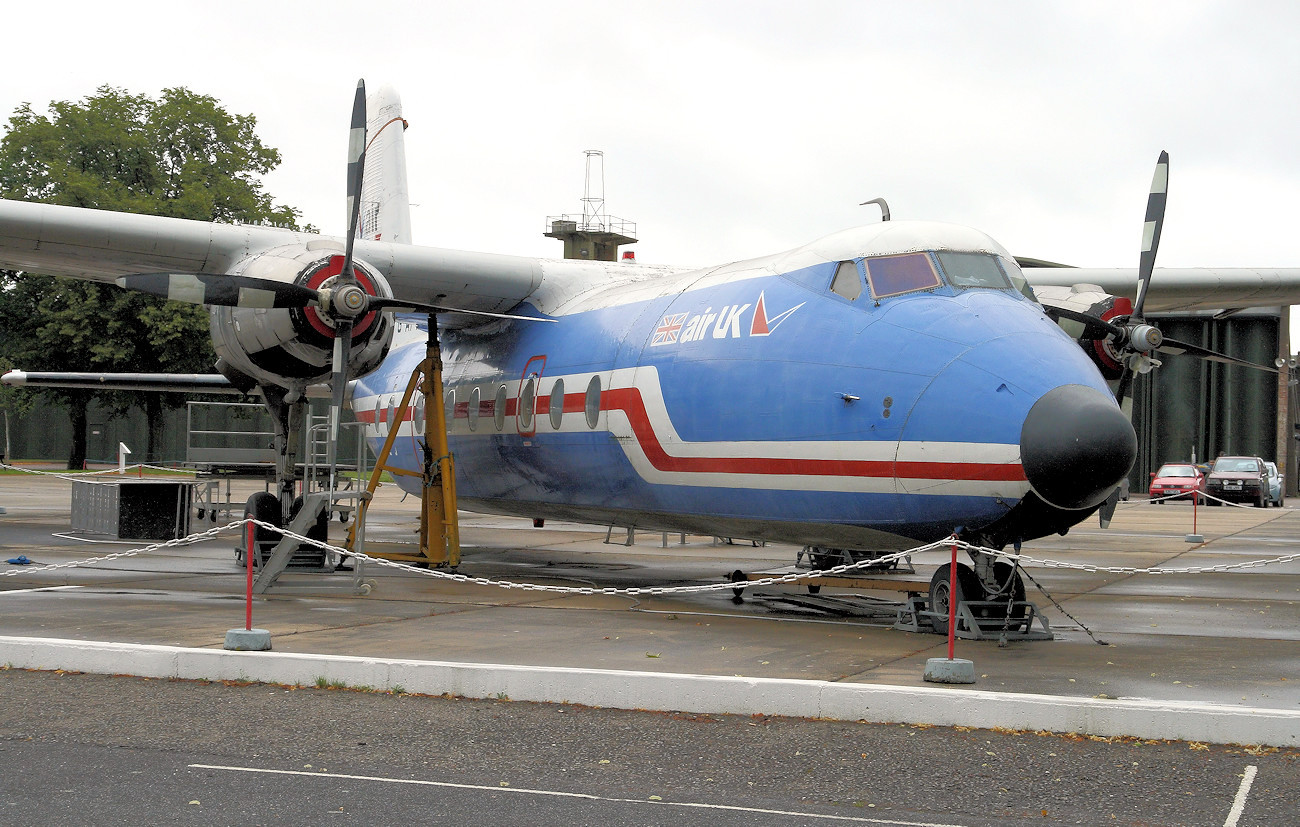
x: 213, y: 383
x: 100, y: 245
x: 1175, y: 289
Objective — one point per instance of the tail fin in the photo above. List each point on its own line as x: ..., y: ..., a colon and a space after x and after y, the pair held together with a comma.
x: 385, y: 203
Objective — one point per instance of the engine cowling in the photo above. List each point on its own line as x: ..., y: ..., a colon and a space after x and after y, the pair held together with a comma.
x: 1091, y: 299
x: 293, y: 348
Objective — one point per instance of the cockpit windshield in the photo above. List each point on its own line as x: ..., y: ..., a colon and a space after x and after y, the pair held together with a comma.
x: 895, y: 275
x: 966, y: 270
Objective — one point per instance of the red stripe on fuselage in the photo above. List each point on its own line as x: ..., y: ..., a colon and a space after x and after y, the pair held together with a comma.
x: 630, y: 402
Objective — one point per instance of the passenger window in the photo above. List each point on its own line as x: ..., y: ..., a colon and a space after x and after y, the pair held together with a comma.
x: 557, y: 404
x: 499, y: 409
x: 527, y: 404
x: 449, y: 408
x: 473, y: 409
x: 847, y: 282
x: 592, y: 402
x: 418, y: 417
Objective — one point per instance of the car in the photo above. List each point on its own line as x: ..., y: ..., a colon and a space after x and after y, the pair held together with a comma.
x: 1238, y: 479
x: 1275, y: 486
x: 1176, y: 479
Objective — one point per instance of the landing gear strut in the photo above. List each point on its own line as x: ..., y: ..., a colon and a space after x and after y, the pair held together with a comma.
x: 439, y: 529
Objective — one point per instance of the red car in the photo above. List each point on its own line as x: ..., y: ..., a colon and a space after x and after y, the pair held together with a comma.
x: 1176, y: 480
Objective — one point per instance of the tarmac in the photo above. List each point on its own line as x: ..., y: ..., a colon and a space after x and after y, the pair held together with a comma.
x: 1208, y: 650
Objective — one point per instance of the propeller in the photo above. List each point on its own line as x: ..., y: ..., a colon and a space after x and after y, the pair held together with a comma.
x: 1139, y: 332
x: 1095, y: 327
x: 342, y: 301
x: 1133, y: 339
x: 347, y: 298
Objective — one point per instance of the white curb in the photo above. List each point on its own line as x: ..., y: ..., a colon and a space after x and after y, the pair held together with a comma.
x: 1209, y: 723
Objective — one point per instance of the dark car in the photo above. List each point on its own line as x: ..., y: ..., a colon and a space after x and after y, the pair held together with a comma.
x: 1238, y: 480
x: 1176, y: 479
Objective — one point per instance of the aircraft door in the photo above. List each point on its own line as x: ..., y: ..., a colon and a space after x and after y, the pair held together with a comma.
x: 526, y: 396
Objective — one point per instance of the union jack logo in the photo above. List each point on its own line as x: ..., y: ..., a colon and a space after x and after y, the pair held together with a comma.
x: 667, y: 331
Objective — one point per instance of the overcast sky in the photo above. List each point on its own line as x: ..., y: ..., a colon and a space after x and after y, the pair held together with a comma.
x: 735, y: 129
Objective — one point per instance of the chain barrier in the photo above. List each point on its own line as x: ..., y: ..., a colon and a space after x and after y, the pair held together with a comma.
x: 210, y: 534
x: 1018, y: 559
x: 90, y: 476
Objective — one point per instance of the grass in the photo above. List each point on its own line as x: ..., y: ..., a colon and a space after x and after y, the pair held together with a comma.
x: 45, y: 467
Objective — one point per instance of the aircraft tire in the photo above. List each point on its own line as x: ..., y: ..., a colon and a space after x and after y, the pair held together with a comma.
x: 264, y: 507
x: 319, y: 530
x: 968, y: 588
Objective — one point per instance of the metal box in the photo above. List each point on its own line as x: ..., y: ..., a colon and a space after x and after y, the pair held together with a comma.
x: 133, y: 509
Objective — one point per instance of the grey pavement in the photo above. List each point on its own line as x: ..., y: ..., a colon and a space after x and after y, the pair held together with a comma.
x: 1227, y: 638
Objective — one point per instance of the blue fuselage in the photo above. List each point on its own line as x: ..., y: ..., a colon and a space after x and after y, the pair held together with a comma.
x: 767, y: 405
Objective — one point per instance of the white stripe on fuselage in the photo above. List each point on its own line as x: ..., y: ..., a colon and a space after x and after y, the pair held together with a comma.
x: 756, y: 464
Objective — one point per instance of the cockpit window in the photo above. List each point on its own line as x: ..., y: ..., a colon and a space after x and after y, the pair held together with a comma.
x: 847, y: 282
x: 966, y: 270
x: 895, y: 275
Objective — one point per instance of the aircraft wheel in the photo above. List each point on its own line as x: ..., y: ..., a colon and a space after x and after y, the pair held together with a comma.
x: 264, y: 507
x: 319, y: 530
x: 737, y: 576
x: 968, y: 588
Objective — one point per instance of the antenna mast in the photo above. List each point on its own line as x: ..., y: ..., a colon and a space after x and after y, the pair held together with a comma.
x: 596, y: 236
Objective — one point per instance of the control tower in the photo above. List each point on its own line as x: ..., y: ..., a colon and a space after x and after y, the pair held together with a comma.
x: 595, y: 235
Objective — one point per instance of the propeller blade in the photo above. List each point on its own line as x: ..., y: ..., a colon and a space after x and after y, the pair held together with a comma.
x: 1175, y: 347
x: 1155, y: 219
x: 223, y: 290
x: 1125, y: 382
x: 400, y: 306
x: 343, y: 322
x: 356, y: 173
x: 1094, y: 327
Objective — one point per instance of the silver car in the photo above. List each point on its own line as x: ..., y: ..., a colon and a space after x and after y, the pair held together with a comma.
x: 1274, y: 484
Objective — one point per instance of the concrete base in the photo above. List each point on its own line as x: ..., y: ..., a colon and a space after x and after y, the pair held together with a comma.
x: 942, y: 670
x: 248, y: 640
x: 1195, y: 538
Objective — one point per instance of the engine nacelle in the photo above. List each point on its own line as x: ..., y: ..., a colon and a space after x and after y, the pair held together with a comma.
x: 293, y: 348
x: 1090, y: 299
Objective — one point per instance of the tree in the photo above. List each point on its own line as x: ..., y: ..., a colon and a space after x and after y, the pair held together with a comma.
x: 180, y: 155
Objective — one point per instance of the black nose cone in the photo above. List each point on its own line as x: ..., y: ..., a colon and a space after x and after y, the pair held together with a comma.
x: 1076, y: 445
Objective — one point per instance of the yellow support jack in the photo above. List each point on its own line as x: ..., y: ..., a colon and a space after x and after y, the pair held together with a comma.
x: 439, y: 529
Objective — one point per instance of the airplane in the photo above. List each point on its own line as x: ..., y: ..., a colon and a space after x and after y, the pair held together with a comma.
x: 879, y: 388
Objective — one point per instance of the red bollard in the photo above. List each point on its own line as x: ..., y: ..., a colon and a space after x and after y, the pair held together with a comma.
x: 249, y: 551
x: 952, y: 602
x: 951, y: 669
x: 249, y: 639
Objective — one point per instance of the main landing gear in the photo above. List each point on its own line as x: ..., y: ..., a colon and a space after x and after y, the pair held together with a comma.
x: 989, y: 604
